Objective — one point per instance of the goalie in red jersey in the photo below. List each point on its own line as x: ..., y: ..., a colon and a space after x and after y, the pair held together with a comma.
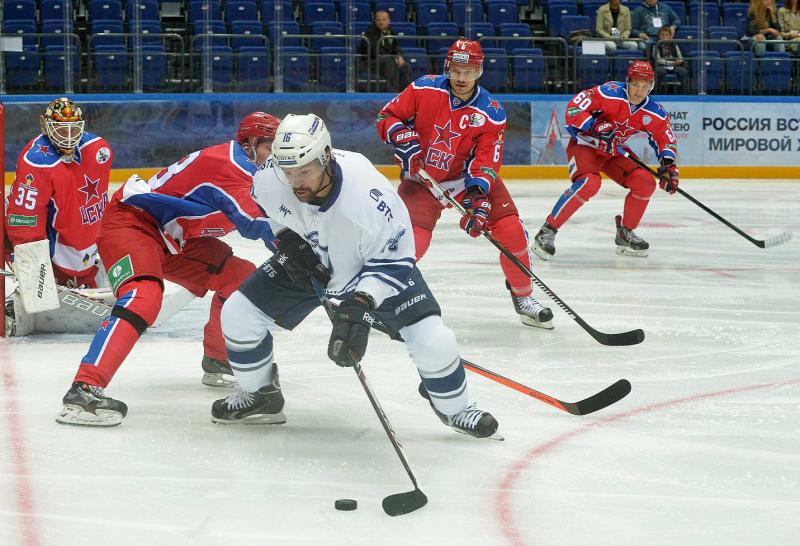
x: 600, y: 120
x: 454, y: 129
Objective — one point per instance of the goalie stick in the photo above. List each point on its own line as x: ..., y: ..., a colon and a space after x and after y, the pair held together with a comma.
x: 632, y: 337
x: 399, y: 503
x: 767, y: 243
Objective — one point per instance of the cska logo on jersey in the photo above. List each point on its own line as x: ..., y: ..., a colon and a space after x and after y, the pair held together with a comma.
x: 445, y: 135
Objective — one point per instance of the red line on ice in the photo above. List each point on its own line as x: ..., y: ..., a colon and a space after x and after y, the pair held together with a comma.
x: 504, y: 508
x: 19, y: 452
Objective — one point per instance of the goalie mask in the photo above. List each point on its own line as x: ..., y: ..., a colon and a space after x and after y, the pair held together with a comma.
x: 62, y: 123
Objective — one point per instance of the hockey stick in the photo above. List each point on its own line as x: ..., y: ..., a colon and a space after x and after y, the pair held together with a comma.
x: 632, y: 337
x: 610, y: 395
x: 772, y: 241
x: 399, y: 503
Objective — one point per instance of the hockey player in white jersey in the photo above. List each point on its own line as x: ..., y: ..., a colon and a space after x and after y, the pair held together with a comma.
x: 338, y: 219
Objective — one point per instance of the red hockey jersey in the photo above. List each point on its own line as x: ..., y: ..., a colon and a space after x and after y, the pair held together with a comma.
x: 458, y: 139
x: 59, y: 201
x: 609, y: 102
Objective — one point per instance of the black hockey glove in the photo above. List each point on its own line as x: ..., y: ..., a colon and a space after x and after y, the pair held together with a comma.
x: 351, y: 323
x: 299, y: 260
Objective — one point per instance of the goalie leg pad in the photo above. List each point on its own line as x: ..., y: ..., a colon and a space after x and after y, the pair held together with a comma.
x: 434, y: 349
x: 136, y: 308
x: 34, y: 272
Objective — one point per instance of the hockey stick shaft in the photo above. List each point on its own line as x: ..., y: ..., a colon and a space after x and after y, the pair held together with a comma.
x: 625, y: 338
x: 387, y: 427
x: 759, y: 243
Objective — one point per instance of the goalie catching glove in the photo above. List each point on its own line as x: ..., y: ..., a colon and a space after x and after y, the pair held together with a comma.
x: 352, y: 321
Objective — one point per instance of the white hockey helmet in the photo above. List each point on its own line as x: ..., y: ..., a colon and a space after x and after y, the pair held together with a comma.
x: 299, y: 140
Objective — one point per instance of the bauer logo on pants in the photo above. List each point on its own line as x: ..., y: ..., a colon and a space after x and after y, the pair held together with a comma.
x: 120, y: 272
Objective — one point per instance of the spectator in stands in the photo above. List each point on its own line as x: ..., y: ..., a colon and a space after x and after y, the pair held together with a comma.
x: 391, y: 64
x: 762, y: 19
x: 649, y: 18
x: 789, y: 19
x: 614, y: 22
x: 668, y: 57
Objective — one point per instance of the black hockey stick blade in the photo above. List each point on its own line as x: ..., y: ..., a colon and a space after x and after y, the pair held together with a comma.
x: 777, y: 240
x: 622, y: 339
x: 610, y: 395
x: 404, y: 503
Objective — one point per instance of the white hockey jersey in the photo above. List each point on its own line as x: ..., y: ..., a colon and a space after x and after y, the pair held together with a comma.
x: 362, y: 234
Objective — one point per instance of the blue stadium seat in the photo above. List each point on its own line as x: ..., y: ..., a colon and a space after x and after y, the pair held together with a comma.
x: 479, y: 30
x: 320, y: 29
x: 459, y: 9
x: 287, y: 27
x: 361, y: 11
x: 495, y: 70
x: 406, y: 29
x: 738, y: 72
x: 250, y: 34
x: 53, y: 9
x: 590, y: 8
x: 19, y: 10
x: 710, y: 13
x: 22, y: 69
x: 710, y: 60
x: 679, y: 8
x: 687, y: 32
x: 498, y: 13
x: 105, y: 10
x: 417, y: 58
x: 514, y: 30
x: 26, y: 28
x: 253, y: 68
x: 332, y: 69
x: 54, y: 60
x: 148, y: 29
x: 147, y: 10
x: 431, y: 11
x: 620, y: 62
x: 110, y: 67
x: 268, y: 11
x: 221, y: 58
x: 395, y: 8
x: 295, y: 67
x: 99, y: 28
x: 527, y: 68
x: 210, y: 27
x: 448, y: 32
x: 776, y: 72
x: 571, y: 23
x: 56, y: 27
x: 591, y: 70
x: 319, y: 11
x: 729, y: 34
x: 154, y: 67
x: 735, y: 15
x: 198, y: 9
x: 240, y: 10
x: 556, y: 10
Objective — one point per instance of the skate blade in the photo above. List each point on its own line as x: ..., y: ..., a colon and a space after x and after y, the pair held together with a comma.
x: 496, y: 436
x: 530, y: 321
x: 259, y: 419
x: 542, y: 253
x: 627, y: 251
x: 223, y: 380
x: 76, y: 416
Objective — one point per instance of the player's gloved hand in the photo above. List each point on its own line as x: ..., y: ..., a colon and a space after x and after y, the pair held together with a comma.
x: 299, y: 260
x: 668, y: 176
x: 351, y: 323
x: 478, y: 209
x: 407, y: 152
x: 603, y: 133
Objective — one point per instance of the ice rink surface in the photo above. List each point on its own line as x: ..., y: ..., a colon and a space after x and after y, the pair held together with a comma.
x: 704, y: 451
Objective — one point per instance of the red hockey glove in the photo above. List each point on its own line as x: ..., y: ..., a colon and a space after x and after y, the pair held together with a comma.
x: 478, y: 209
x: 605, y: 137
x: 407, y: 152
x: 668, y: 179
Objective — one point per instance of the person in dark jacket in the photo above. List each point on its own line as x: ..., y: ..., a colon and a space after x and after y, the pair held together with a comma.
x: 391, y: 64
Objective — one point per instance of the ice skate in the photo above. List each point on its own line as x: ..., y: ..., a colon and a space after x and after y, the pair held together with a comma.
x: 544, y: 244
x: 531, y: 312
x: 217, y: 373
x: 86, y: 405
x: 262, y: 407
x: 470, y: 421
x: 628, y: 243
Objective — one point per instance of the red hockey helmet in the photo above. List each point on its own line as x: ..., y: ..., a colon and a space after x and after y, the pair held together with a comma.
x: 255, y: 127
x: 466, y: 53
x: 641, y: 70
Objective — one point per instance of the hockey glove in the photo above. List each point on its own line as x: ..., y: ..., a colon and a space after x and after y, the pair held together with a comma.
x: 407, y: 152
x: 351, y: 323
x: 605, y: 137
x: 299, y: 260
x: 668, y: 176
x: 478, y: 209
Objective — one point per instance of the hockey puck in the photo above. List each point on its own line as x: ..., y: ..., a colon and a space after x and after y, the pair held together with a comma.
x: 346, y: 504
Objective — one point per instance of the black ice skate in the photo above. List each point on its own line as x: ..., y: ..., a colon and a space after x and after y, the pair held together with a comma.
x: 217, y: 373
x: 628, y: 243
x: 470, y: 421
x: 531, y: 312
x: 262, y: 407
x: 544, y: 244
x: 86, y: 405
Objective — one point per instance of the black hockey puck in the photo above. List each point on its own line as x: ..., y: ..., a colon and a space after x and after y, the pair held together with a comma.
x: 346, y: 504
